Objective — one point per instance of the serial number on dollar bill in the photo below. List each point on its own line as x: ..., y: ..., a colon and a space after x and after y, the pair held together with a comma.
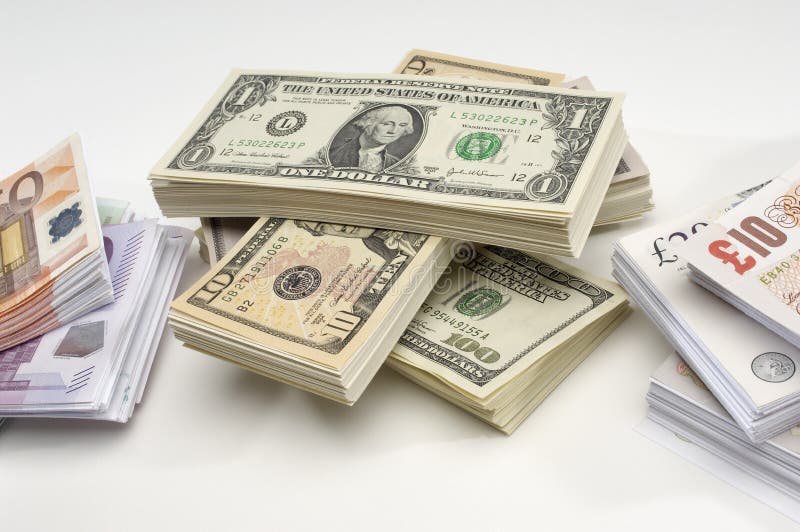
x: 501, y: 119
x: 457, y: 324
x: 261, y: 143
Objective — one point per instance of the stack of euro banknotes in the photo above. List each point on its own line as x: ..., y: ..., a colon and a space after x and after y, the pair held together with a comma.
x: 84, y: 291
x: 352, y: 220
x: 722, y: 282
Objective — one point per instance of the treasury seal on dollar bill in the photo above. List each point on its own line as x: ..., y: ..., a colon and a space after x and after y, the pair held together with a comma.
x: 773, y: 367
x: 298, y: 282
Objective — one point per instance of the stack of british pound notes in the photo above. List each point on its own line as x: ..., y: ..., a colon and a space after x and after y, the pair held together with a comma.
x: 733, y: 389
x: 747, y: 367
x: 514, y: 160
x: 94, y: 362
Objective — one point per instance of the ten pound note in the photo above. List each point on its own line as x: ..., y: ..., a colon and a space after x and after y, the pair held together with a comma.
x: 750, y: 257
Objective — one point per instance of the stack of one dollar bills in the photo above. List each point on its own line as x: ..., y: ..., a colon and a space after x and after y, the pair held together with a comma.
x: 492, y: 161
x: 371, y: 188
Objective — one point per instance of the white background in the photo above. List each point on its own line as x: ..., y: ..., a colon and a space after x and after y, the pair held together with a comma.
x: 712, y: 106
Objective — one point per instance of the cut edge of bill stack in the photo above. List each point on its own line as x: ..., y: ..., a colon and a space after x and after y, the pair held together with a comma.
x: 546, y: 202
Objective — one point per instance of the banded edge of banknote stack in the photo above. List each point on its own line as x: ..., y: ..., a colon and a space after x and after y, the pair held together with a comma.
x: 679, y: 401
x: 315, y: 305
x: 502, y: 329
x: 514, y: 165
x: 750, y: 256
x: 748, y: 368
x: 96, y: 367
x: 51, y: 247
x: 629, y: 196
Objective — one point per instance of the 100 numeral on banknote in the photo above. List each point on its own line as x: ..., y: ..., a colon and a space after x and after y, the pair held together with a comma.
x: 419, y: 137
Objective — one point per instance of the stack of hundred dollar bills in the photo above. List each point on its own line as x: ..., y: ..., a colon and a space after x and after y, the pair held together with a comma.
x: 94, y: 365
x: 502, y: 160
x: 502, y: 329
x: 499, y: 331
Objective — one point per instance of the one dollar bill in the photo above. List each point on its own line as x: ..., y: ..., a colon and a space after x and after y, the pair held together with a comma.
x: 444, y: 140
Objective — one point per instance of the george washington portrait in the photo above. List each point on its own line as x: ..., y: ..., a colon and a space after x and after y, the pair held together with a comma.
x: 377, y: 138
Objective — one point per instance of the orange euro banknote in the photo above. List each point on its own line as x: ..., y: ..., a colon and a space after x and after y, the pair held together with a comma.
x: 48, y: 225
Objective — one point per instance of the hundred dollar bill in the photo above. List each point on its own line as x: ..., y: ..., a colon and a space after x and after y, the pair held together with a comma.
x: 750, y: 257
x: 426, y: 63
x: 503, y: 326
x: 328, y: 297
